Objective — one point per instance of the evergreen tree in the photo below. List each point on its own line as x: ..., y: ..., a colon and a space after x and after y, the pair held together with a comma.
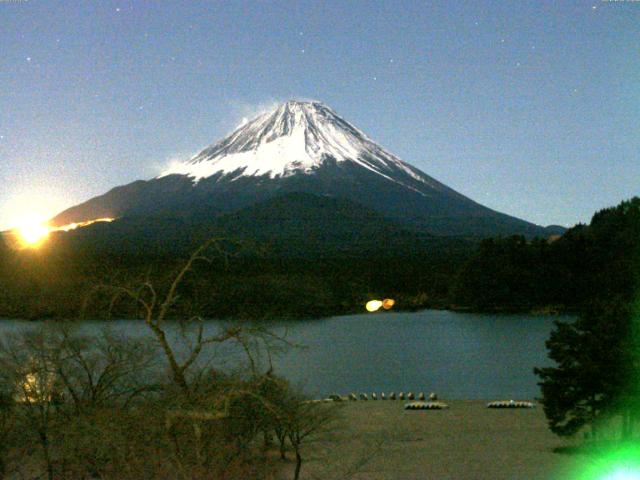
x: 596, y: 357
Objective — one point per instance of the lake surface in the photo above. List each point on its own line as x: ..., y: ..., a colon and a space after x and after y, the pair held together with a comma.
x: 456, y: 355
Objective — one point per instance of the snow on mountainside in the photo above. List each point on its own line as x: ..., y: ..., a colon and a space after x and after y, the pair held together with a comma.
x: 297, y: 137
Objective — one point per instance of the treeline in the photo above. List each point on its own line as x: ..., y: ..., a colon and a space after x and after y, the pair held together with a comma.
x: 258, y: 279
x: 595, y: 379
x: 241, y: 281
x: 588, y: 261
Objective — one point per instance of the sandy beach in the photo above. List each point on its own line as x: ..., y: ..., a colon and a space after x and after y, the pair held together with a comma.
x: 380, y: 440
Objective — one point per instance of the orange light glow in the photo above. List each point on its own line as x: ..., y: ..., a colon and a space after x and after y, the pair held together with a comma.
x: 35, y: 388
x: 73, y: 226
x: 33, y: 232
x: 388, y: 303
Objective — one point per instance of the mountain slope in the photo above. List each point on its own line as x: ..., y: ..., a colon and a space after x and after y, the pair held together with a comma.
x: 301, y: 147
x: 298, y: 225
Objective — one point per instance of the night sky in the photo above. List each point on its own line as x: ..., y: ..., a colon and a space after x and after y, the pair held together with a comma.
x: 531, y: 108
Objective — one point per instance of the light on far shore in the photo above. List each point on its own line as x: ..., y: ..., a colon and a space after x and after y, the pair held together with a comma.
x: 375, y: 305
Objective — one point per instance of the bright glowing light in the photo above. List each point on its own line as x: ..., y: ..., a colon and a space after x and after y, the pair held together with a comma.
x: 388, y: 303
x: 73, y: 226
x: 623, y: 474
x: 35, y: 388
x: 621, y: 462
x: 32, y: 232
x: 373, y: 305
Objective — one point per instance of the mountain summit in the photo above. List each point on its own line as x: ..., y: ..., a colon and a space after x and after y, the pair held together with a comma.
x: 297, y: 137
x: 300, y: 147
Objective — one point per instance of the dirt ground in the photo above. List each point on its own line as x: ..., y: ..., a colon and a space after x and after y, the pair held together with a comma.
x: 380, y: 440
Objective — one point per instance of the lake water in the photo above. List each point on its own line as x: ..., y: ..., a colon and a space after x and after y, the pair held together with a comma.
x: 457, y: 355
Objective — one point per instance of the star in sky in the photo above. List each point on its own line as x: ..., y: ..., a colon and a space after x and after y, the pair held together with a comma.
x: 43, y: 62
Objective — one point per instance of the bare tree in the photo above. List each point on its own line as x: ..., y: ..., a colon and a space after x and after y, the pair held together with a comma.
x: 156, y: 309
x: 302, y: 421
x: 197, y: 404
x: 58, y: 382
x: 26, y: 363
x: 107, y: 369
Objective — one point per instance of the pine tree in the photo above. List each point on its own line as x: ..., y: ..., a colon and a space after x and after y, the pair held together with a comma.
x: 597, y: 367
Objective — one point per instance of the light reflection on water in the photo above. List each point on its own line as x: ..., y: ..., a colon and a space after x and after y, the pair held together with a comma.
x: 457, y: 355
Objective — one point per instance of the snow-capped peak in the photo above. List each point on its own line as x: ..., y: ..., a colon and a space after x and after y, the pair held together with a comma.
x: 296, y: 137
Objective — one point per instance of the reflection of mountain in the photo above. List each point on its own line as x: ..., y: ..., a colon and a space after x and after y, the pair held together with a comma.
x: 300, y: 147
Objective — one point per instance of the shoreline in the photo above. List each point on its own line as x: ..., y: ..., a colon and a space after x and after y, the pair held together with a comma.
x: 541, y: 311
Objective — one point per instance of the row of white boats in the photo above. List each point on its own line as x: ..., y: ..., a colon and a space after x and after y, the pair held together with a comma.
x: 422, y: 403
x: 392, y: 396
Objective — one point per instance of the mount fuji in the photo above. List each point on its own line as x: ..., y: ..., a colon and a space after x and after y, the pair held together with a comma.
x: 301, y: 147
